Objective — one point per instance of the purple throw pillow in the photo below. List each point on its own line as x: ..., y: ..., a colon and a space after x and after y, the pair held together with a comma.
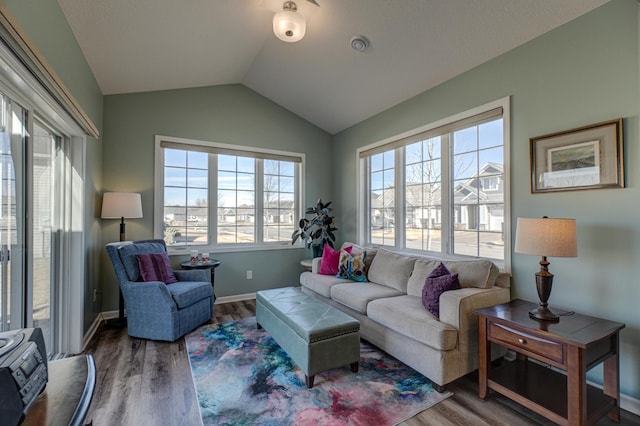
x: 156, y: 267
x: 438, y: 281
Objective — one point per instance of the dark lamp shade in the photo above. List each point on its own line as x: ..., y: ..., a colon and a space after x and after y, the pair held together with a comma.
x: 549, y: 237
x: 116, y: 205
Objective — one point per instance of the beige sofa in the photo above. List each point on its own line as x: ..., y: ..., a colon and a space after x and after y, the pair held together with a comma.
x: 392, y: 317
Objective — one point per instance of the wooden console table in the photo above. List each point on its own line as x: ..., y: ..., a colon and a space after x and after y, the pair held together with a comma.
x: 574, y: 344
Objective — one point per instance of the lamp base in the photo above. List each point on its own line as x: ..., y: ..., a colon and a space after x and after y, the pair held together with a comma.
x: 543, y: 313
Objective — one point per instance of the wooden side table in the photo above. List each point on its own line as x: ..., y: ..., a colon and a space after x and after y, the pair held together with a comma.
x: 574, y: 344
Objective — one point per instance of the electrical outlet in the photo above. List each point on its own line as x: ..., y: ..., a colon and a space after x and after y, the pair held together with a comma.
x: 249, y: 275
x: 95, y: 294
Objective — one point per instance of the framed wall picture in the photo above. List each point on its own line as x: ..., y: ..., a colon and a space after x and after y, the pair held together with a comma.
x: 587, y: 157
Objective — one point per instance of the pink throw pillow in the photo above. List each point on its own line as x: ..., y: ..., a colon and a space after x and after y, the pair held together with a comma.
x: 156, y: 267
x: 330, y: 260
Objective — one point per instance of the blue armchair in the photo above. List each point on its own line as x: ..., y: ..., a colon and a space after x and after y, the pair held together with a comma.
x: 156, y: 310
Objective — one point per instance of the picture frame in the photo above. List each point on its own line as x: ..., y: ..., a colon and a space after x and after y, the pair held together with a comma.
x: 587, y: 157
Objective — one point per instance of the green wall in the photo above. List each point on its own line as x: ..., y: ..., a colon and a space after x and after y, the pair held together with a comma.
x: 583, y: 72
x: 47, y: 27
x: 231, y: 114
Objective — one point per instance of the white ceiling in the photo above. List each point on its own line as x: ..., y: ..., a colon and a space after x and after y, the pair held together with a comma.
x: 146, y: 45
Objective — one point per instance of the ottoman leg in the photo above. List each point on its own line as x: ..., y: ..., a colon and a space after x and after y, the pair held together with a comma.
x: 309, y: 380
x: 259, y: 326
x: 354, y: 367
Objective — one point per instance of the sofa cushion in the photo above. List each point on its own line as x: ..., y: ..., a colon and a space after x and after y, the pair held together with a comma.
x: 156, y: 267
x: 351, y: 266
x: 421, y: 270
x: 438, y: 281
x: 128, y: 256
x: 406, y: 315
x: 357, y: 295
x: 474, y: 273
x: 330, y: 260
x: 321, y: 284
x: 186, y: 293
x: 391, y: 269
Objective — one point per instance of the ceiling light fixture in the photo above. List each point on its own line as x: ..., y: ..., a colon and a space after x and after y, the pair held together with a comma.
x: 289, y: 25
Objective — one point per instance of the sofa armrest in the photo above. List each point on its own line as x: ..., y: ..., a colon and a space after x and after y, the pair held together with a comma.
x: 457, y: 308
x: 152, y: 295
x: 315, y: 264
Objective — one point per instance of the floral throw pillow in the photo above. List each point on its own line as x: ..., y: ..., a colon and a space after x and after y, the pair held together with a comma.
x: 438, y: 281
x: 352, y: 266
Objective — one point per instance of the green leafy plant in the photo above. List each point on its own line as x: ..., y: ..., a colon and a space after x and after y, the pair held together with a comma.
x: 317, y: 230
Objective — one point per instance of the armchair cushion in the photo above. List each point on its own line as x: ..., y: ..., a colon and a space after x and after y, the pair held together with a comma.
x: 186, y: 293
x: 156, y: 267
x: 128, y: 256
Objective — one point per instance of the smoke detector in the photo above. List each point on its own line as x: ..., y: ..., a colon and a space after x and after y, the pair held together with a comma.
x: 359, y: 43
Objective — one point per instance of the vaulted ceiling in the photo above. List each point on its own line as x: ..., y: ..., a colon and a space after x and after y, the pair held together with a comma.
x: 148, y: 45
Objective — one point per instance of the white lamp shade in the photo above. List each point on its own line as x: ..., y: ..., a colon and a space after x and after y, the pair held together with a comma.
x: 550, y: 237
x: 289, y: 26
x: 116, y: 205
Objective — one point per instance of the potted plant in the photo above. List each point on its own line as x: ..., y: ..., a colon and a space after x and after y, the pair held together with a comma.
x: 318, y: 230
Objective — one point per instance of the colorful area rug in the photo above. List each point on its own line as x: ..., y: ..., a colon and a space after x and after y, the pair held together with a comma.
x: 243, y: 377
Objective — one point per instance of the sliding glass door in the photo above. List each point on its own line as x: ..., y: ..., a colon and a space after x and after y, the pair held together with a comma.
x: 33, y: 170
x: 12, y: 214
x: 44, y: 223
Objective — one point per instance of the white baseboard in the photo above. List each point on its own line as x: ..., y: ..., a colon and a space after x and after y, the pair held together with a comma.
x: 235, y: 298
x: 92, y: 331
x: 630, y: 404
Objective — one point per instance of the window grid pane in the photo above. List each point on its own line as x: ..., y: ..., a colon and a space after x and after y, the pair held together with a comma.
x: 423, y: 175
x: 382, y: 198
x: 478, y: 199
x: 236, y: 200
x: 279, y: 200
x: 186, y: 199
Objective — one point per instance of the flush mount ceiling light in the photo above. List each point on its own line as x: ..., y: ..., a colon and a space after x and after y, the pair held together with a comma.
x: 289, y: 25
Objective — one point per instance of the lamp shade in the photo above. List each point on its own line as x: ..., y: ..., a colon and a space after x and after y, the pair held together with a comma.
x: 116, y: 205
x: 550, y: 237
x: 289, y: 25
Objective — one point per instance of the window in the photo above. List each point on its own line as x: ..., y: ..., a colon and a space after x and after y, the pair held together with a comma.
x: 217, y: 196
x: 441, y: 188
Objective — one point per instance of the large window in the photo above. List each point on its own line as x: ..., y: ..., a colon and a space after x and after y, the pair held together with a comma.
x: 441, y: 188
x: 225, y: 197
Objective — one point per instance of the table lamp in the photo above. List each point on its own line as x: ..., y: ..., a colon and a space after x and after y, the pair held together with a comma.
x: 545, y: 237
x: 121, y: 205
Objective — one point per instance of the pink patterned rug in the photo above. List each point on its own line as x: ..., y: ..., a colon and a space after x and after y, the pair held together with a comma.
x: 243, y: 377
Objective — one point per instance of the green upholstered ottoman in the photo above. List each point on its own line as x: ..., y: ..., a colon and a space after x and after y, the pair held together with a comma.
x: 316, y: 336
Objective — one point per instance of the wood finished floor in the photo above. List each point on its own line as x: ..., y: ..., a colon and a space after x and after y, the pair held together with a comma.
x: 142, y: 382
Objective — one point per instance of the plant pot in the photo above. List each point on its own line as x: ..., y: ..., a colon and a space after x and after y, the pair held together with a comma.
x: 316, y: 250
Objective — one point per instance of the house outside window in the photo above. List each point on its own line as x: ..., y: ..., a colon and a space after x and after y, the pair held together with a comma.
x: 440, y: 189
x: 221, y: 197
